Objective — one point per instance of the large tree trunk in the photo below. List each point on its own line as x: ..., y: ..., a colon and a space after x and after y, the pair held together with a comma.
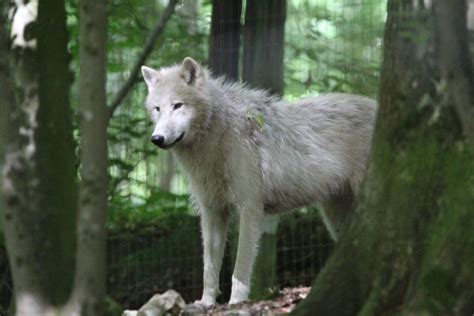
x: 264, y: 32
x: 39, y: 183
x: 89, y: 285
x: 455, y: 60
x: 410, y: 248
x: 224, y: 41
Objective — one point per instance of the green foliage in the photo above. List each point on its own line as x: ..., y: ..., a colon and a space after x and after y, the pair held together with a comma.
x: 333, y: 46
x: 256, y: 117
x: 154, y: 207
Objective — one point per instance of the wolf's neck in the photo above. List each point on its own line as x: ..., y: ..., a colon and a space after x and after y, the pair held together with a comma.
x: 204, y: 154
x: 235, y: 95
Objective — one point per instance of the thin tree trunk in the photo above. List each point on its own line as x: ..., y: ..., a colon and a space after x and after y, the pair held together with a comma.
x: 190, y: 15
x: 264, y: 32
x: 224, y: 42
x: 409, y: 249
x: 7, y: 99
x: 39, y: 183
x: 89, y: 290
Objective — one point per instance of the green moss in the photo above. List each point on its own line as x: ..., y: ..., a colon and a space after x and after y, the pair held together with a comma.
x: 447, y: 258
x: 436, y: 283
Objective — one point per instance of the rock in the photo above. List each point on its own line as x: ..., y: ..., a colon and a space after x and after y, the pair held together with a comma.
x: 170, y: 303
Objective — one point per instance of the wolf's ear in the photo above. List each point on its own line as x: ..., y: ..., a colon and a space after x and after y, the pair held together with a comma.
x: 150, y: 75
x: 190, y: 71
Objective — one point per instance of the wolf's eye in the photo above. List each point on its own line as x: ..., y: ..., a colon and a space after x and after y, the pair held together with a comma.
x: 157, y: 108
x: 178, y: 105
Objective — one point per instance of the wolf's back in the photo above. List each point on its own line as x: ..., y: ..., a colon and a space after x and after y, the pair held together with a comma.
x: 315, y: 146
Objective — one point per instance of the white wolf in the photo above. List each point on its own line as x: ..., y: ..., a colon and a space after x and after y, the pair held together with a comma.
x: 247, y: 151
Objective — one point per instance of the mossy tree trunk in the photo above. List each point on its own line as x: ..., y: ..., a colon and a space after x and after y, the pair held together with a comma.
x: 262, y: 67
x: 409, y: 250
x: 39, y: 176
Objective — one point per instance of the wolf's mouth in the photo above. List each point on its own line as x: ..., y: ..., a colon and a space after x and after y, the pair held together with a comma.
x: 173, y: 143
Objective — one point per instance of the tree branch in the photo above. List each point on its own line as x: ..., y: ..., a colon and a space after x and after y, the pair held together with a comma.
x: 123, y: 92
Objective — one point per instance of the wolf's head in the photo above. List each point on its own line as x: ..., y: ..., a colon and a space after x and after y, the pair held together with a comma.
x: 176, y: 102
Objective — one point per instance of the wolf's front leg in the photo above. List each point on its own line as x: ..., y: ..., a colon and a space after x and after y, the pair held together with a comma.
x: 250, y: 230
x: 214, y: 228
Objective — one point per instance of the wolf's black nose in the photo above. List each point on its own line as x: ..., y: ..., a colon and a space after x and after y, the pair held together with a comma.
x: 158, y: 140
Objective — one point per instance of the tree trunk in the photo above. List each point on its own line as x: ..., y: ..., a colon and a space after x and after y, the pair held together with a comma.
x: 7, y: 98
x: 264, y: 279
x: 409, y: 249
x: 224, y: 40
x: 39, y: 183
x: 89, y: 290
x: 264, y: 33
x: 263, y: 68
x: 455, y: 60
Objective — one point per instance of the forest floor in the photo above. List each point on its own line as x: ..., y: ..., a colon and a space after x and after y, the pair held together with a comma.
x: 284, y: 303
x: 171, y: 303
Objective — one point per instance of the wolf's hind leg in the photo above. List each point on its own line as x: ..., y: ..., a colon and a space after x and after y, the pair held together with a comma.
x: 214, y: 229
x: 337, y: 212
x: 250, y: 230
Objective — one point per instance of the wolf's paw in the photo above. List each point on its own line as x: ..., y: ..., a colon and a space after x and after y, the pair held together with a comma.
x: 206, y: 302
x: 234, y: 301
x: 240, y: 292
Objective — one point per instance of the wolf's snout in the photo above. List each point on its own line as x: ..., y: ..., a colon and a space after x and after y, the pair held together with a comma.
x: 158, y: 140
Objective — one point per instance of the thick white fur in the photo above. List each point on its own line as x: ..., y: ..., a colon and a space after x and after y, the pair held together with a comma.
x: 305, y: 152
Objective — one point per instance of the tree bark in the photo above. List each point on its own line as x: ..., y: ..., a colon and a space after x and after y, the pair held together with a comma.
x: 39, y: 177
x: 262, y: 67
x: 409, y: 248
x: 89, y: 289
x: 224, y: 41
x: 7, y: 99
x: 264, y: 33
x: 455, y: 60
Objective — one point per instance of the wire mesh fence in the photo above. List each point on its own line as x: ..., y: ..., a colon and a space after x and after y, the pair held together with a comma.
x: 330, y: 45
x: 146, y: 261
